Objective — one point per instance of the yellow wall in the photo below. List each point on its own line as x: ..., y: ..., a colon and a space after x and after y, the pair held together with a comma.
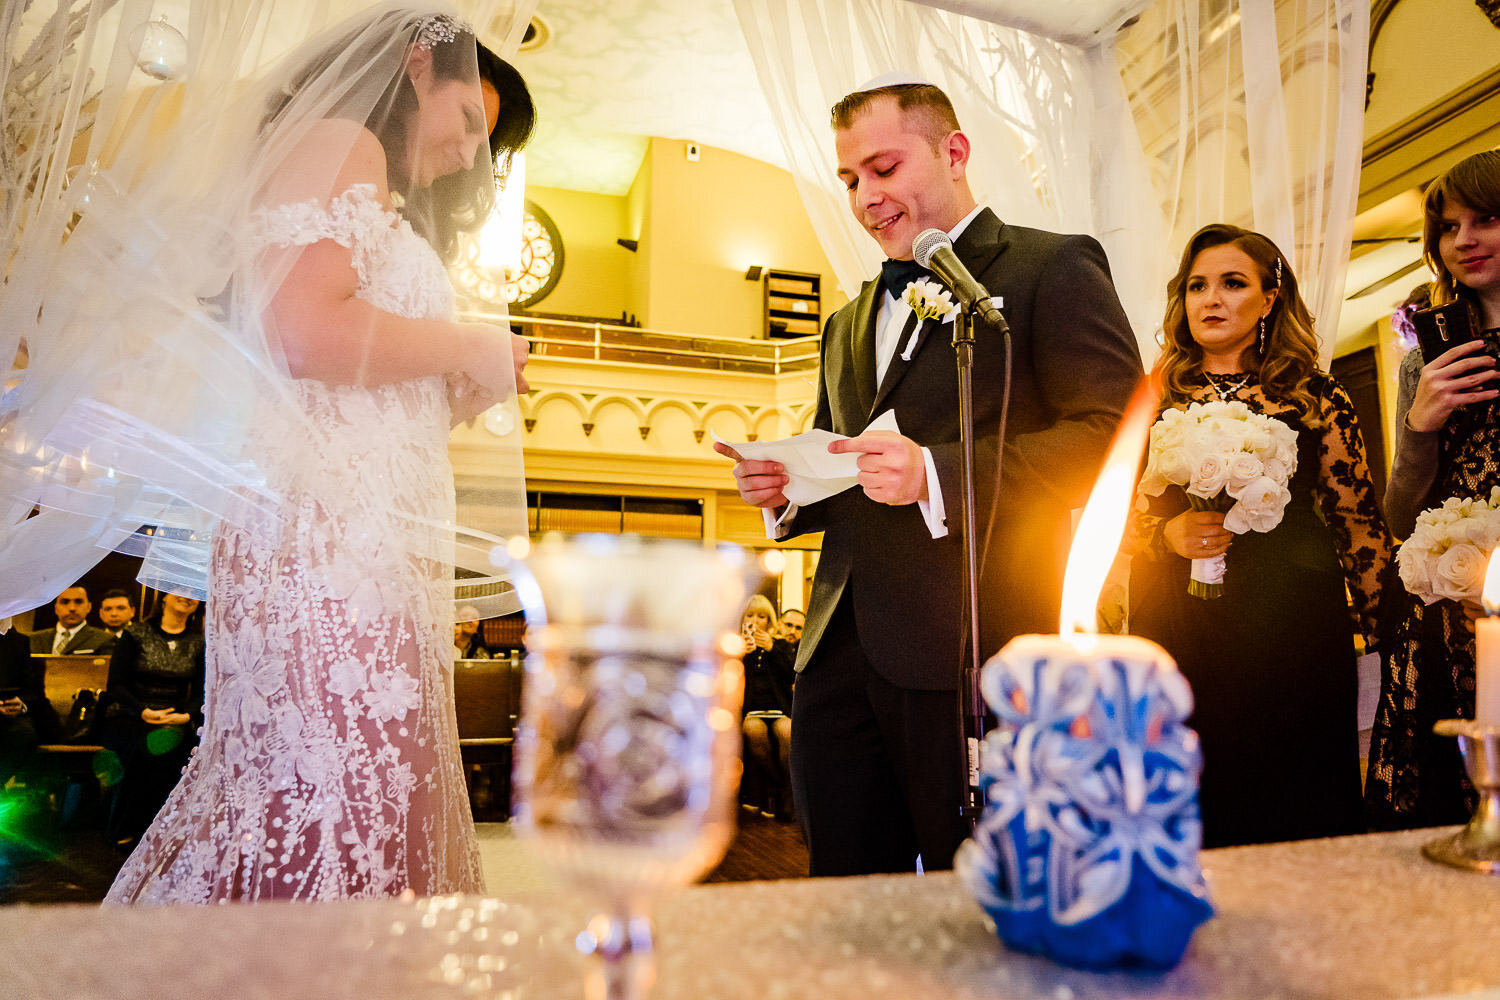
x: 638, y: 211
x: 596, y: 277
x: 1426, y: 49
x: 705, y: 223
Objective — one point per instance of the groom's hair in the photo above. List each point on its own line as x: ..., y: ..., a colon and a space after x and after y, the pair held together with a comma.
x: 925, y: 109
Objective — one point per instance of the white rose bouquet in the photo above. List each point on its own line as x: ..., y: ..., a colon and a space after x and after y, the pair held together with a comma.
x: 1226, y: 457
x: 1448, y: 551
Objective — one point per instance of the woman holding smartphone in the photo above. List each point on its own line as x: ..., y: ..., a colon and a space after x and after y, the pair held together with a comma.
x: 765, y: 722
x: 1447, y: 445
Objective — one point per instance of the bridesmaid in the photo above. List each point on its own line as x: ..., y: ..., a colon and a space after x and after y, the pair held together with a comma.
x: 1271, y: 661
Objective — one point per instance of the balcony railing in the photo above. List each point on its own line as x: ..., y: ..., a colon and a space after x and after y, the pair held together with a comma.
x: 571, y: 339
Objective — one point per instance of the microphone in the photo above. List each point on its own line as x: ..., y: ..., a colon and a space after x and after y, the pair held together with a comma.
x: 934, y: 250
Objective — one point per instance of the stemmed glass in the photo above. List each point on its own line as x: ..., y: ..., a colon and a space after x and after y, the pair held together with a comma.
x: 628, y: 745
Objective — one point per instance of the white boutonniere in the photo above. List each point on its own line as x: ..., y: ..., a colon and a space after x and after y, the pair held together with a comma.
x: 929, y: 300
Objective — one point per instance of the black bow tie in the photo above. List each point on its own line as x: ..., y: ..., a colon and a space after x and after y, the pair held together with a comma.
x: 895, y: 275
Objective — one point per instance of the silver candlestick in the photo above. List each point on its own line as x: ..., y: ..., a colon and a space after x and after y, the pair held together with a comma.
x: 1476, y: 847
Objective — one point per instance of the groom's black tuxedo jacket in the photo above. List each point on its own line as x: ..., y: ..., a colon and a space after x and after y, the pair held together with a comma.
x: 1075, y: 364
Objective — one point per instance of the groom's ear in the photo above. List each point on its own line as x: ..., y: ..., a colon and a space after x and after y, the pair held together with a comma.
x: 954, y: 149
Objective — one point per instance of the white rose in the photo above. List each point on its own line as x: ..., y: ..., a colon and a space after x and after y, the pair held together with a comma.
x: 1244, y: 469
x: 1459, y: 573
x: 1174, y: 465
x: 1275, y: 468
x: 1414, y: 565
x: 1152, y: 483
x: 1209, y: 474
x: 1259, y: 507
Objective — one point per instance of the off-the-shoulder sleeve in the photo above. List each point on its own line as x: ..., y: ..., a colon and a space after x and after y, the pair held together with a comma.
x: 1347, y: 498
x: 354, y: 219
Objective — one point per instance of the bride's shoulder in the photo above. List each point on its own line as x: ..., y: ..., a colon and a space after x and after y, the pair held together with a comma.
x: 330, y: 157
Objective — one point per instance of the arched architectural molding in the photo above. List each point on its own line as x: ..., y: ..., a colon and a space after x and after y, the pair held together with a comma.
x: 765, y: 425
x: 631, y: 403
x: 747, y: 419
x: 532, y: 403
x: 661, y: 405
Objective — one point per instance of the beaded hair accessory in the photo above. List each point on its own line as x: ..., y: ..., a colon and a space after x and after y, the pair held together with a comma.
x: 1278, y: 271
x: 435, y: 29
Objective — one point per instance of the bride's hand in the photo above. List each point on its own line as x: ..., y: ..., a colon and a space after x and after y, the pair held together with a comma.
x: 467, y: 399
x: 497, y: 359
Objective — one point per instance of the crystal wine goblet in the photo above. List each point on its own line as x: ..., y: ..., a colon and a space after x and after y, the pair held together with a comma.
x: 628, y: 746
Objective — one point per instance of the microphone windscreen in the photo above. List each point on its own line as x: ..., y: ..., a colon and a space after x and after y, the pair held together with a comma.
x: 927, y: 243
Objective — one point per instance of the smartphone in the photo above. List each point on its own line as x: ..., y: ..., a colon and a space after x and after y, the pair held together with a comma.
x: 1442, y: 328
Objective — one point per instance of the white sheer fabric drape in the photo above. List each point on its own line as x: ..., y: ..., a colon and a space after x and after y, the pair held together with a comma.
x: 1198, y: 112
x: 125, y: 438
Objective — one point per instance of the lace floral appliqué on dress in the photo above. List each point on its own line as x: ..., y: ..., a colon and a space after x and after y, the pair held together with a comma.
x: 328, y: 766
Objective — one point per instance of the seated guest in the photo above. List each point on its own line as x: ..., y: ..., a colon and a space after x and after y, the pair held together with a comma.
x: 789, y: 629
x: 26, y: 716
x: 766, y: 719
x: 468, y: 644
x: 72, y: 634
x: 116, y: 610
x: 155, y: 708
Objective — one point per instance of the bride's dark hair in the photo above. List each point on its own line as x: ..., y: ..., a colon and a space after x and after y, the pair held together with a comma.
x: 516, y: 119
x: 455, y: 203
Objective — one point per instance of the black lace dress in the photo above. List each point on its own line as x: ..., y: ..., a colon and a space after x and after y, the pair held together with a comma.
x: 1272, y: 661
x: 1416, y: 778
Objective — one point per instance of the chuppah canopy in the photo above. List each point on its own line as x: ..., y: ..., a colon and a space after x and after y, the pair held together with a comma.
x: 1241, y: 111
x: 1078, y: 22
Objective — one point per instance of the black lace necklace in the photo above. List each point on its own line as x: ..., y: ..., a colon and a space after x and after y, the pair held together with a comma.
x: 1227, y: 387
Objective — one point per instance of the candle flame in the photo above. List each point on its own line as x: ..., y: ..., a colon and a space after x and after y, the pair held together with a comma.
x: 1103, y: 522
x: 1491, y: 593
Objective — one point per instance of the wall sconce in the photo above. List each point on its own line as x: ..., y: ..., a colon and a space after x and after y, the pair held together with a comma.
x: 752, y: 273
x: 631, y: 245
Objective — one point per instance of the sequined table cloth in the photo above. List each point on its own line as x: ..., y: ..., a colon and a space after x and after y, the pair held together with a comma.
x: 1355, y: 917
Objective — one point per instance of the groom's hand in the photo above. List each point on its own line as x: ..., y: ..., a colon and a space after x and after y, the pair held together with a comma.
x: 891, y: 467
x: 760, y: 482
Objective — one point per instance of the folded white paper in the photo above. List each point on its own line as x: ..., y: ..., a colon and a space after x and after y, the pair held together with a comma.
x: 814, y: 474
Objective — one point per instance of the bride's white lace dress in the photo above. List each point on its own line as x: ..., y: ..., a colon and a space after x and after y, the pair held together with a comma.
x: 328, y: 766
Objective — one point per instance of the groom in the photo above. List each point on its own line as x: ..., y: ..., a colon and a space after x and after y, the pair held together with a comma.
x: 877, y: 764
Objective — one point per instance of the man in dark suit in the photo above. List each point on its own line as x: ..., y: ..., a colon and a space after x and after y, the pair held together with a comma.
x: 72, y: 634
x: 116, y: 610
x: 877, y: 758
x: 26, y: 716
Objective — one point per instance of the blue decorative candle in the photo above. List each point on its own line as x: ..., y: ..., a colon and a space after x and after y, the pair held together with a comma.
x: 1087, y: 850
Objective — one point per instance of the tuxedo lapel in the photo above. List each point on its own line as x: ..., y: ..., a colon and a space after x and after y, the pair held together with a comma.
x: 980, y: 243
x: 862, y: 353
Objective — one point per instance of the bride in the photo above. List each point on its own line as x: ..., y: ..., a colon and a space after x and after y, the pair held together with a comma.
x: 322, y: 322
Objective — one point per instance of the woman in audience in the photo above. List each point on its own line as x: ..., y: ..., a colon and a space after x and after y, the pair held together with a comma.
x: 154, y: 710
x: 1272, y: 660
x: 766, y: 720
x: 1447, y: 445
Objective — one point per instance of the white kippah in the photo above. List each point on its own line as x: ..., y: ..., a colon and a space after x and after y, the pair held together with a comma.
x: 895, y: 78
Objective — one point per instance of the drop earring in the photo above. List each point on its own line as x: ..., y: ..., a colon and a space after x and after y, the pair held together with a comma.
x: 1262, y: 335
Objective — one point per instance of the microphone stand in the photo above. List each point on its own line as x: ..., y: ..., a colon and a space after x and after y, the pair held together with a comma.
x: 970, y: 700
